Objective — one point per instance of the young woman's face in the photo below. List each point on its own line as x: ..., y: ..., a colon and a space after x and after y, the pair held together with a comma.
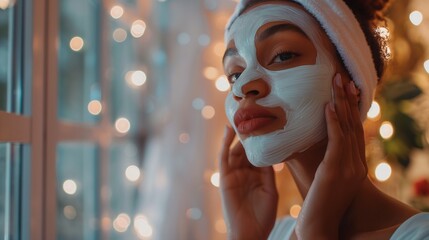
x: 280, y: 64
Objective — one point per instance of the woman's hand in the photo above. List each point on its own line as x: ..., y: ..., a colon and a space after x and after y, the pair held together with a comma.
x: 249, y: 194
x: 342, y: 170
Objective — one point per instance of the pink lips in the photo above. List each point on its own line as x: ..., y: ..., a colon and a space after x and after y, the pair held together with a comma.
x: 251, y: 119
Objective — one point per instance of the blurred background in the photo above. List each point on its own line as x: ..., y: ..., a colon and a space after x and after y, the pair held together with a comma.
x: 111, y: 118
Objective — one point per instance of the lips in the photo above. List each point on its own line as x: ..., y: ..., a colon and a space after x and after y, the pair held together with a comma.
x: 252, y: 119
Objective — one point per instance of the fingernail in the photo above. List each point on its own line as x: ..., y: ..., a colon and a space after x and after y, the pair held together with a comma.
x: 352, y: 88
x: 338, y: 80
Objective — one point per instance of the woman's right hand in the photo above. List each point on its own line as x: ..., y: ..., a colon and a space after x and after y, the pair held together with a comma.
x: 249, y: 194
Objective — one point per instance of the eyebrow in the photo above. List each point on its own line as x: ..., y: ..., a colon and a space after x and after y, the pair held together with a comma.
x: 230, y: 52
x: 279, y: 28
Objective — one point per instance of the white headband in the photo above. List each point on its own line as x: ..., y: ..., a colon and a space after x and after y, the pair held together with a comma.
x: 341, y: 26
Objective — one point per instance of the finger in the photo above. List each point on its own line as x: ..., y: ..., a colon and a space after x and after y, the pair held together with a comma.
x: 340, y: 102
x: 357, y: 124
x: 227, y: 140
x: 238, y: 158
x: 335, y: 135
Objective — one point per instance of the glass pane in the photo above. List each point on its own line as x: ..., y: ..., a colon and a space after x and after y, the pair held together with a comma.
x: 79, y: 97
x: 5, y: 52
x: 77, y: 191
x: 125, y: 177
x: 11, y: 159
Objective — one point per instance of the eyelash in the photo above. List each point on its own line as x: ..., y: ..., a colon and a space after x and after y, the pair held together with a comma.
x: 284, y: 52
x: 230, y: 77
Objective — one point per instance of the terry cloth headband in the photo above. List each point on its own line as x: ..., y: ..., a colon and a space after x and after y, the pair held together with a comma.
x: 342, y: 27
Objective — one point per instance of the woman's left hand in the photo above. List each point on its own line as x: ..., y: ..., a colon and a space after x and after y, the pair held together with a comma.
x: 342, y: 170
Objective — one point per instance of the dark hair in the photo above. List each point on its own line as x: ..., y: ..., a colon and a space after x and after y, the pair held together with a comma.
x: 369, y: 14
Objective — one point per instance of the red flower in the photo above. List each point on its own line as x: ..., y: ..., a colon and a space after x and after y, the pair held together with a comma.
x: 421, y: 187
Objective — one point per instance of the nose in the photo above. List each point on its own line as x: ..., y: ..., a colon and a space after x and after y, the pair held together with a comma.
x: 256, y: 89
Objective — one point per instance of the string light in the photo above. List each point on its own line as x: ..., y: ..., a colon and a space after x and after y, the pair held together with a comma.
x: 138, y: 28
x: 374, y: 111
x: 386, y: 130
x: 416, y: 18
x: 222, y: 83
x: 119, y: 35
x: 383, y: 171
x: 426, y: 65
x: 4, y: 4
x: 295, y: 210
x: 220, y: 226
x: 116, y: 12
x: 194, y: 213
x: 69, y: 187
x: 142, y: 227
x: 121, y: 222
x: 69, y: 212
x: 94, y: 107
x: 215, y: 179
x: 122, y: 125
x: 138, y: 78
x: 132, y: 173
x: 208, y: 112
x: 210, y: 73
x: 76, y: 44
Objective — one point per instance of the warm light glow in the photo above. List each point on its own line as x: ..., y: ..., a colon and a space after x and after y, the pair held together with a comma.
x: 69, y: 212
x: 211, y: 73
x: 69, y: 187
x: 374, y: 111
x: 383, y: 171
x: 294, y: 210
x: 278, y: 167
x: 105, y: 223
x: 138, y: 28
x: 386, y: 130
x: 220, y: 226
x: 121, y: 222
x: 94, y: 107
x: 132, y: 173
x: 142, y: 226
x: 4, y: 4
x: 122, y: 125
x: 416, y: 18
x: 119, y: 35
x: 215, y: 179
x: 138, y: 78
x: 76, y: 43
x: 184, y: 138
x: 222, y: 84
x: 219, y: 49
x: 194, y: 213
x: 426, y: 65
x: 116, y: 12
x: 208, y: 112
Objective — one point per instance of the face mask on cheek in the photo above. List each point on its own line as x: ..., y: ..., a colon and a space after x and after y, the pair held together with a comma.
x: 302, y: 91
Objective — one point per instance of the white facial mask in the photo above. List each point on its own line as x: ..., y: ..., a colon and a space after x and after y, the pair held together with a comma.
x: 302, y: 91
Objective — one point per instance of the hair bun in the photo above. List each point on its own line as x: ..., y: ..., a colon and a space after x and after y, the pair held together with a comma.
x: 368, y: 9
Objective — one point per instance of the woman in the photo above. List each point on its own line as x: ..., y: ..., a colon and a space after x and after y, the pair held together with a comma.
x: 303, y: 75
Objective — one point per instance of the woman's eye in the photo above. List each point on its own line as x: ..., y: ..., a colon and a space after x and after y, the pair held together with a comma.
x: 233, y: 77
x: 283, y: 56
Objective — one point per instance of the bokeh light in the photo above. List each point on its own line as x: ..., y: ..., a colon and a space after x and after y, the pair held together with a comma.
x: 208, y: 112
x: 4, y: 4
x: 76, y: 43
x: 69, y: 212
x: 142, y: 226
x: 184, y: 138
x: 121, y: 222
x: 426, y: 65
x: 94, y: 107
x: 116, y: 12
x: 138, y: 78
x: 194, y: 213
x: 374, y: 111
x: 222, y: 83
x: 132, y: 173
x: 69, y: 187
x: 386, y: 130
x: 416, y: 17
x: 295, y: 210
x: 119, y: 35
x: 211, y: 73
x: 215, y: 179
x: 198, y: 103
x: 138, y: 28
x: 383, y: 171
x: 122, y: 125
